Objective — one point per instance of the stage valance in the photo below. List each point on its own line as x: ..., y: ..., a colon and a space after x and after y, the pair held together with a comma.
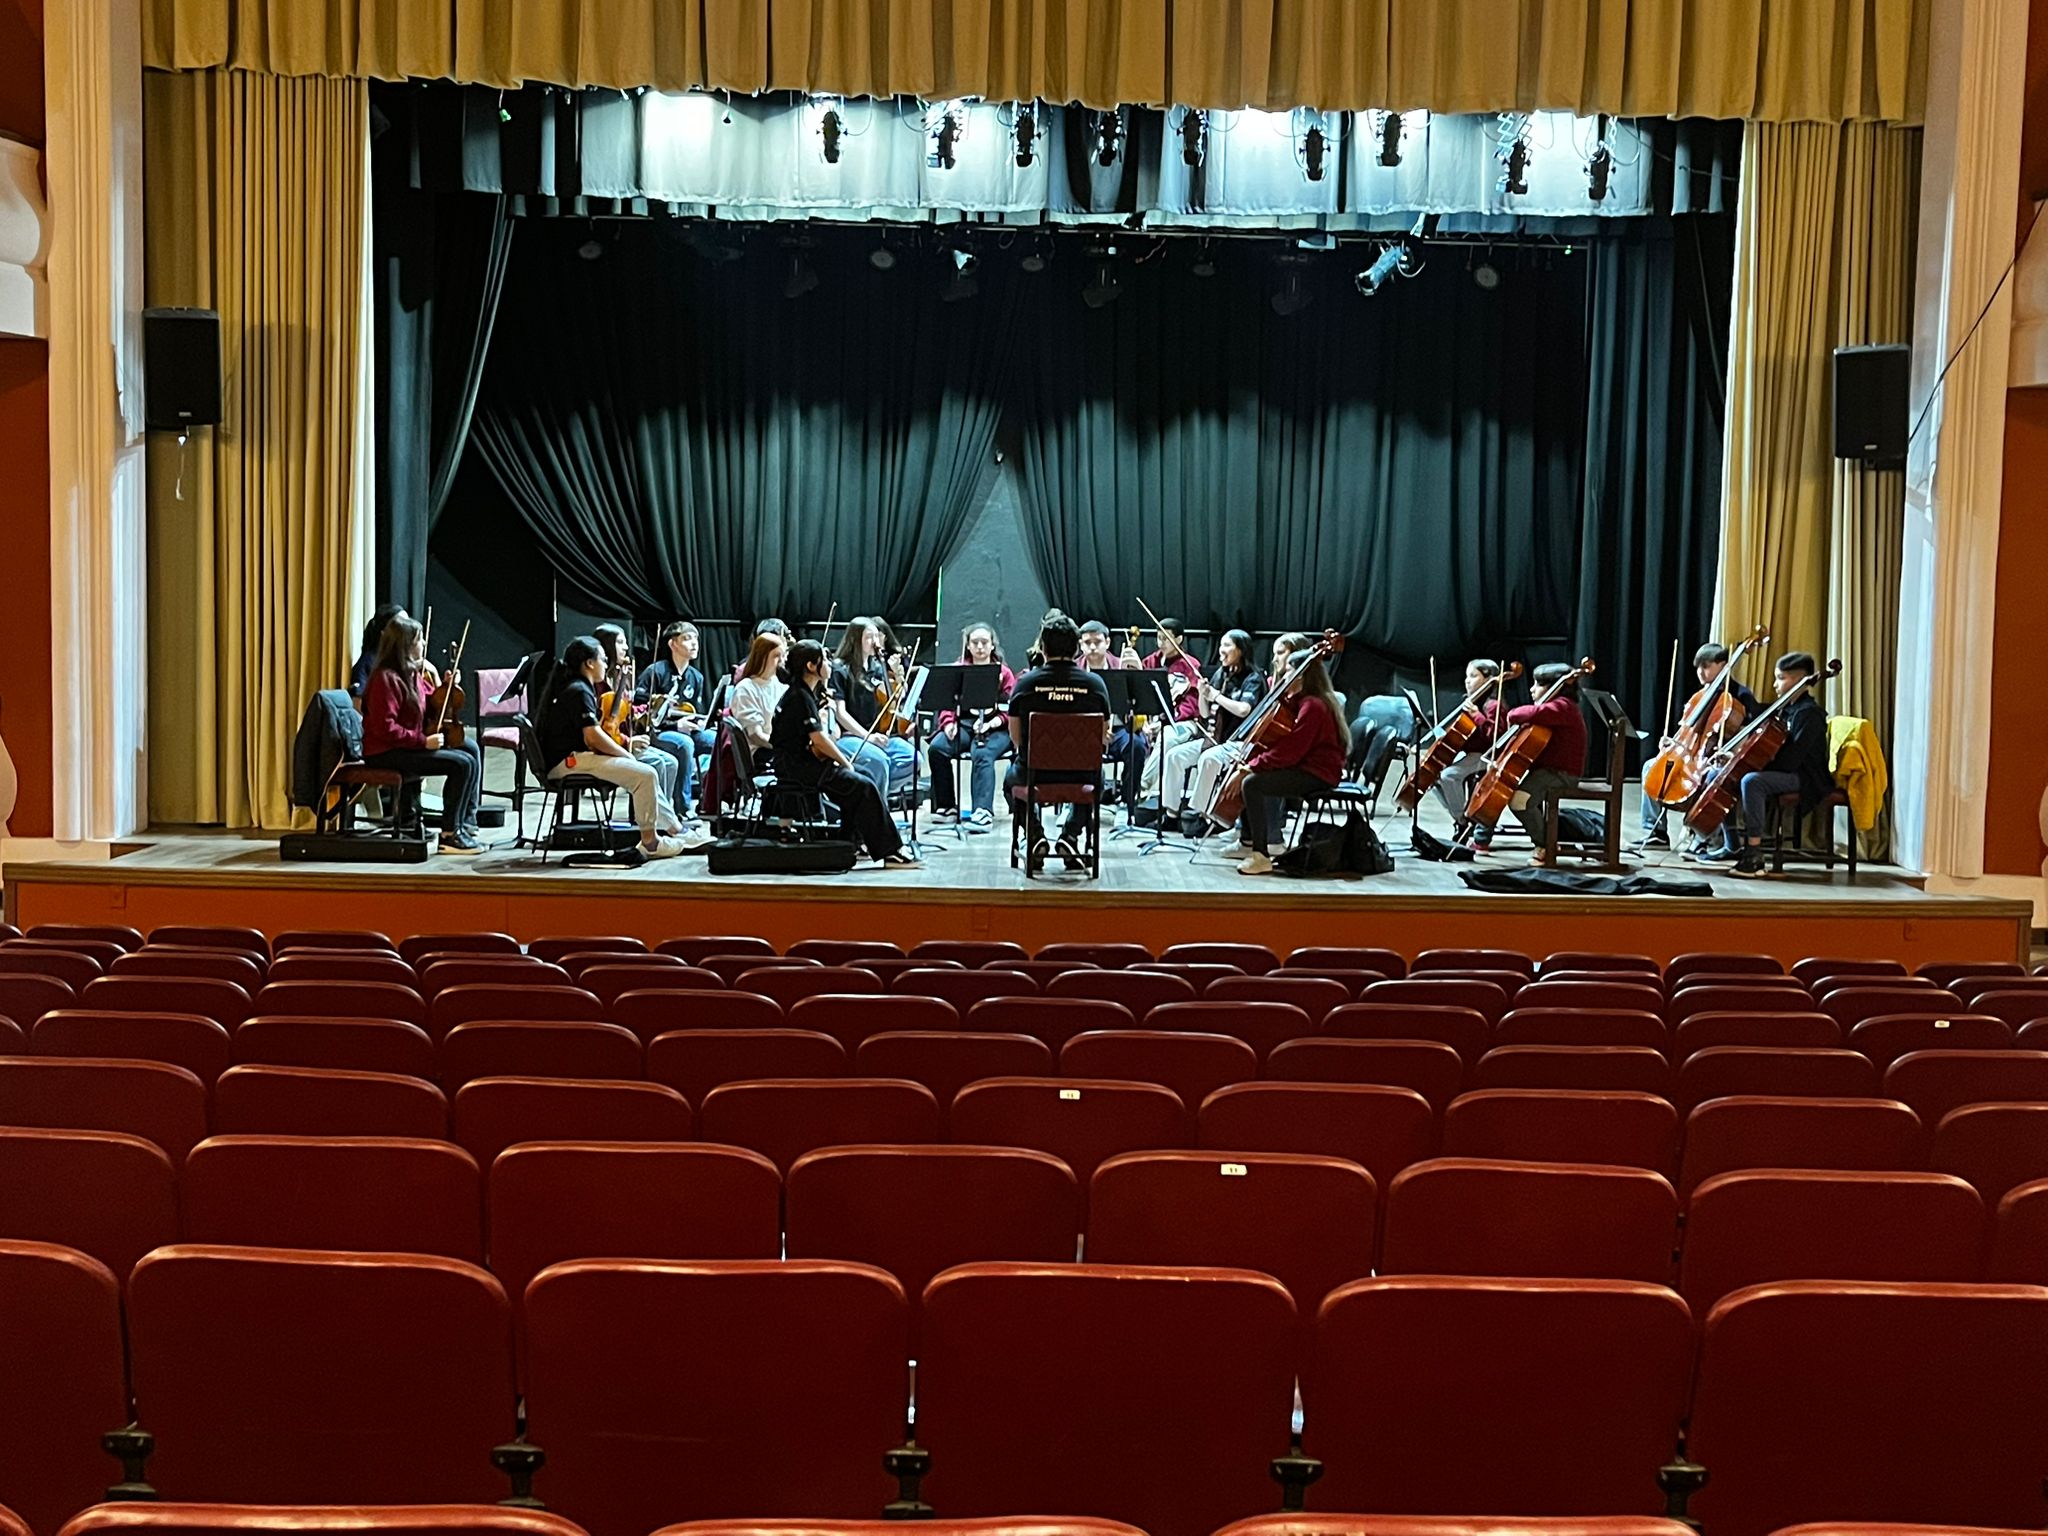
x: 1769, y: 60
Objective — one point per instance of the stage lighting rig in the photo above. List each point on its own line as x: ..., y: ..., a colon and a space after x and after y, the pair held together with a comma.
x: 830, y: 127
x: 963, y: 284
x: 1600, y: 167
x: 802, y: 278
x: 1390, y: 139
x: 1024, y: 133
x: 1103, y: 288
x: 1204, y: 264
x: 1194, y: 135
x: 1389, y: 264
x: 1109, y: 136
x: 1292, y: 298
x: 1512, y: 151
x: 943, y: 132
x: 1315, y: 148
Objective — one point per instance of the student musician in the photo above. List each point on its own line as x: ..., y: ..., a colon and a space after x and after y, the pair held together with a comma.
x: 573, y: 740
x: 1169, y: 654
x: 672, y: 683
x: 395, y: 704
x: 1708, y: 663
x: 366, y: 659
x: 752, y: 700
x: 1061, y: 685
x: 1214, y: 760
x: 1306, y: 761
x: 1222, y: 699
x: 1127, y: 748
x: 808, y: 757
x: 984, y: 741
x: 1801, y: 765
x: 1453, y: 788
x: 612, y: 645
x: 1563, y: 761
x: 859, y: 672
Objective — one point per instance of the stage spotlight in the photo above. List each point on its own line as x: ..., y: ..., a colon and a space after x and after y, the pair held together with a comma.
x: 803, y: 277
x: 1315, y: 146
x: 963, y: 284
x: 829, y: 128
x: 881, y: 258
x: 1194, y: 135
x: 1205, y: 261
x: 592, y: 248
x: 944, y: 132
x: 1601, y: 166
x: 1292, y: 298
x: 1512, y: 151
x: 1025, y: 133
x: 1486, y: 275
x: 1036, y: 258
x: 1109, y: 137
x: 1390, y: 139
x: 1385, y: 266
x: 1103, y: 287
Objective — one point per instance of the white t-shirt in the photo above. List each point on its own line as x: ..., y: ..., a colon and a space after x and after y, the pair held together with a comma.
x: 752, y: 702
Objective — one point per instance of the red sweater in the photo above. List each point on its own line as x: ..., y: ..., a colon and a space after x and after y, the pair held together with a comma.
x: 394, y: 716
x: 1567, y: 749
x: 1312, y: 744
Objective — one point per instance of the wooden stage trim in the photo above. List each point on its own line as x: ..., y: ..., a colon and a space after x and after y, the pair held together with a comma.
x: 1888, y: 920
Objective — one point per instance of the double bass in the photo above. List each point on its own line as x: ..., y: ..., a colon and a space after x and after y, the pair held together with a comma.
x: 1672, y: 777
x: 1514, y: 755
x: 1753, y: 749
x: 1266, y: 723
x: 1448, y: 737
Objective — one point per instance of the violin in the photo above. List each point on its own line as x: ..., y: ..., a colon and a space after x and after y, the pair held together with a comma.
x: 1268, y: 722
x: 1449, y: 736
x: 1514, y: 755
x: 1672, y: 777
x: 894, y: 720
x: 448, y: 698
x: 1759, y: 742
x: 616, y: 705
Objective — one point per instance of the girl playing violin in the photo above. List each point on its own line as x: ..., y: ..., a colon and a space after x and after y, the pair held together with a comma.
x: 1222, y: 700
x: 985, y: 741
x: 618, y: 656
x: 395, y: 735
x: 863, y: 674
x: 1307, y: 760
x: 573, y: 740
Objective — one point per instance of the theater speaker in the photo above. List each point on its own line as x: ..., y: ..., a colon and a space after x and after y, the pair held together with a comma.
x: 1870, y: 405
x: 180, y: 369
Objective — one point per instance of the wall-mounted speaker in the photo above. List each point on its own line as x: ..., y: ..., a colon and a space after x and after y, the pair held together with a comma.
x: 180, y: 369
x: 1870, y: 404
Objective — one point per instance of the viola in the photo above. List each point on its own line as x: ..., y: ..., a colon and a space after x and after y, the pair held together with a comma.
x: 448, y: 699
x: 1450, y: 736
x: 1268, y: 722
x: 1673, y: 776
x: 1514, y: 755
x: 1751, y: 750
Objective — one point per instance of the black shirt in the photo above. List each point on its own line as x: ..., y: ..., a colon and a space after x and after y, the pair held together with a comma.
x: 1806, y: 749
x: 859, y: 694
x: 800, y: 713
x: 656, y: 681
x: 1057, y: 688
x: 562, y: 723
x: 1248, y: 687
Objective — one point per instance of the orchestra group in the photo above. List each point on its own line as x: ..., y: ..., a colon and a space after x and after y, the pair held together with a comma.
x: 1233, y: 744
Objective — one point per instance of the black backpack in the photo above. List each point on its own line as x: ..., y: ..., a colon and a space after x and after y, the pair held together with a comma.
x: 1325, y: 848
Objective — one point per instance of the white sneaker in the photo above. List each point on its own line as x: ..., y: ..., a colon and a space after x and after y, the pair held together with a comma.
x: 664, y: 848
x: 981, y: 821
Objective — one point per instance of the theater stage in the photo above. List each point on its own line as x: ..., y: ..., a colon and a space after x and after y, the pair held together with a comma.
x: 966, y: 889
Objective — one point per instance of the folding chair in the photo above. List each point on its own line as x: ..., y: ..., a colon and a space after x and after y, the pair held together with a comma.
x: 1065, y: 745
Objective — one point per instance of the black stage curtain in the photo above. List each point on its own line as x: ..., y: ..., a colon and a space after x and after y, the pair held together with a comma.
x: 683, y: 438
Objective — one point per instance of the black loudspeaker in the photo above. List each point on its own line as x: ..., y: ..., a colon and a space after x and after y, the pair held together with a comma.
x: 180, y: 369
x: 1870, y: 405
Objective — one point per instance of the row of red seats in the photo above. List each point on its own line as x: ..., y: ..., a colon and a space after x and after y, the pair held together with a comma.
x: 668, y: 1390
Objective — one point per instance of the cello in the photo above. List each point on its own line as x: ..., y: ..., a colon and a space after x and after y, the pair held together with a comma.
x: 1514, y: 755
x: 1447, y: 738
x: 1266, y: 723
x: 1672, y: 777
x: 1752, y: 749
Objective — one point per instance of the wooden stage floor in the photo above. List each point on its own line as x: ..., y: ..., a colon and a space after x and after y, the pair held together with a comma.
x: 967, y: 889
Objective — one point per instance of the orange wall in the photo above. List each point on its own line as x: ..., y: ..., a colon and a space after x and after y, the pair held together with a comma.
x: 2019, y: 707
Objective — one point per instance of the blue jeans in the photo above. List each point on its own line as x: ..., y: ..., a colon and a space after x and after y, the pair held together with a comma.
x: 946, y: 749
x: 686, y: 747
x: 871, y: 761
x: 1759, y: 789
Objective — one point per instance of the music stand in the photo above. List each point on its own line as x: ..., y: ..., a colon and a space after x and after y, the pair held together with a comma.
x: 967, y: 690
x: 1135, y: 691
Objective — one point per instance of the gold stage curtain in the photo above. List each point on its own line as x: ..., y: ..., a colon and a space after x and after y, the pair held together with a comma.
x: 1770, y: 60
x: 255, y: 202
x: 1811, y: 545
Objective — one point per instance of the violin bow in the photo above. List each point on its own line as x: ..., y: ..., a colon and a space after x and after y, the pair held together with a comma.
x: 896, y: 696
x: 1671, y: 687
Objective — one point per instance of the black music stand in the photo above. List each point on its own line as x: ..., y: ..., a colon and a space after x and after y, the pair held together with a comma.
x: 1134, y: 691
x: 967, y: 690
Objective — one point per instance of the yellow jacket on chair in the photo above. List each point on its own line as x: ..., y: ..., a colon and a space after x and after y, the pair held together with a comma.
x: 1857, y: 762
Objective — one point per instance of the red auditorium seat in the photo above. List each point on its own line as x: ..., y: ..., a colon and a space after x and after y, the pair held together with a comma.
x: 1724, y: 1071
x: 1820, y: 967
x: 222, y: 1001
x: 506, y: 1000
x: 1779, y: 1031
x: 1575, y: 1025
x: 841, y: 952
x: 1887, y: 1037
x: 24, y: 952
x: 1464, y: 1030
x: 1827, y: 986
x: 1002, y: 1525
x: 355, y: 1194
x: 1314, y: 995
x: 1557, y: 1125
x: 329, y: 938
x: 1109, y: 956
x: 1993, y: 1146
x: 1850, y: 1006
x: 328, y: 1520
x: 1472, y: 960
x: 651, y: 1015
x: 1055, y: 1020
x: 1633, y: 1068
x: 646, y: 1387
x: 12, y: 1524
x: 168, y: 960
x: 1769, y: 981
x: 345, y: 1045
x: 1306, y: 1221
x: 2019, y: 1236
x: 340, y: 999
x: 888, y: 970
x: 1262, y: 1026
x: 185, y: 1040
x: 1763, y: 1131
x: 1566, y: 960
x: 61, y: 1381
x: 577, y: 961
x: 1041, y: 972
x: 557, y: 947
x: 1353, y: 982
x: 440, y: 973
x: 118, y: 935
x: 1594, y: 996
x: 1935, y: 1082
x: 159, y: 1103
x: 1973, y: 988
x: 963, y: 988
x: 1139, y: 991
x: 1081, y: 1121
x: 552, y: 1201
x: 1768, y: 1224
x: 1452, y: 1525
x: 1946, y: 973
x: 972, y: 953
x: 1430, y: 1067
x: 274, y: 1376
x: 212, y: 936
x: 1690, y: 1001
x: 730, y: 968
x: 586, y: 1050
x: 1030, y: 1372
x: 1199, y: 976
x: 695, y: 1061
x: 26, y: 998
x: 1383, y: 1130
x: 45, y: 1177
x: 946, y: 1061
x: 494, y: 1113
x: 851, y: 1019
x: 1386, y: 961
x: 310, y: 1101
x: 612, y: 979
x: 1496, y: 1396
x: 916, y: 1211
x: 1252, y: 959
x: 12, y: 1041
x: 1473, y: 1216
x: 786, y: 1118
x: 2018, y: 1006
x: 697, y: 949
x: 790, y: 985
x: 410, y: 949
x: 1193, y: 1065
x: 1871, y: 1401
x: 1484, y: 997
